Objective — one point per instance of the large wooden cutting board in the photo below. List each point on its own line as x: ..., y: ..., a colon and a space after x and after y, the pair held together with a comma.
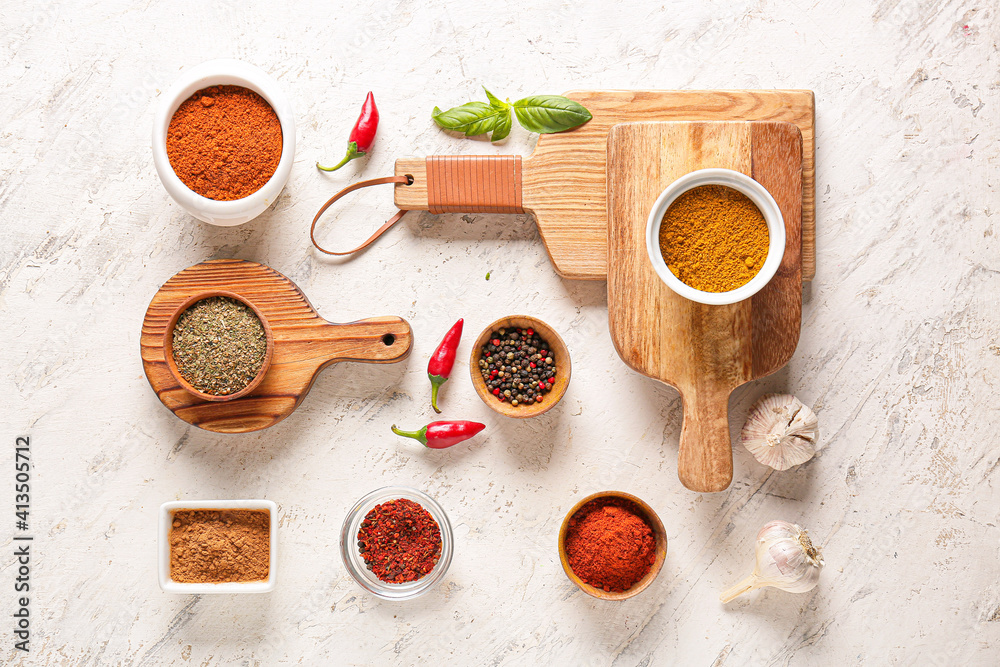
x: 703, y: 351
x: 563, y: 182
x: 304, y: 344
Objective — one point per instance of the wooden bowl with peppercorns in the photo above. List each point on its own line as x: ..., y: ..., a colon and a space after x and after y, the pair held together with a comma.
x: 520, y: 366
x: 626, y: 505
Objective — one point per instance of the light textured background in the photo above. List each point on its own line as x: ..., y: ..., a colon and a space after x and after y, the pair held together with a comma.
x: 898, y: 355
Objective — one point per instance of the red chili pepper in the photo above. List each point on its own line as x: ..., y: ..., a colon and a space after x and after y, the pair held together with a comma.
x: 441, y: 362
x: 362, y: 136
x: 438, y: 435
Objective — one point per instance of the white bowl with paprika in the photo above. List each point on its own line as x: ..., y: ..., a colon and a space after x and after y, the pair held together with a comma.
x: 224, y: 141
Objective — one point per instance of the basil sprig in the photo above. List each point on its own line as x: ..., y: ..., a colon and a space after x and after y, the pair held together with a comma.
x: 545, y: 114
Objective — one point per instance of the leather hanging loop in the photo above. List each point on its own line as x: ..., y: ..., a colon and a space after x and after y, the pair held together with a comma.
x: 351, y: 188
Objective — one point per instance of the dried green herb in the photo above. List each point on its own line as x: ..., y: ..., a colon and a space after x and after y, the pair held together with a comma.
x: 219, y: 345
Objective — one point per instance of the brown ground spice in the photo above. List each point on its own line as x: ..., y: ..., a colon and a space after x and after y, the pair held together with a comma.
x: 224, y: 142
x: 714, y: 238
x: 219, y: 546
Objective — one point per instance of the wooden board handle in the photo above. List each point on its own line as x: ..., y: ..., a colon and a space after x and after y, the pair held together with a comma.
x: 461, y: 184
x: 705, y: 459
x: 376, y: 340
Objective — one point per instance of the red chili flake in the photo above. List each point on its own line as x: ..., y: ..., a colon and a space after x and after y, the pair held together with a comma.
x: 400, y: 541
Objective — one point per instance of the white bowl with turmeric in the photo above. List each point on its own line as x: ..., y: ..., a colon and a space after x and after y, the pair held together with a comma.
x: 715, y: 236
x: 218, y: 546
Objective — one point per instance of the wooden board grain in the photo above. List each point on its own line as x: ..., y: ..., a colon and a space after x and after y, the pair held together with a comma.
x: 703, y: 351
x: 564, y: 179
x: 304, y: 344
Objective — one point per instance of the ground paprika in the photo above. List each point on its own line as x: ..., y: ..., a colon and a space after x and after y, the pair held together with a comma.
x: 224, y: 142
x: 609, y: 544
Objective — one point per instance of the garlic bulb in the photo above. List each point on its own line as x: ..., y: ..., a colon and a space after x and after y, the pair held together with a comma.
x: 781, y: 432
x: 786, y: 559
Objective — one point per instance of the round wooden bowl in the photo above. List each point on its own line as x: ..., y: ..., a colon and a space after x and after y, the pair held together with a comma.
x: 561, y: 355
x: 168, y: 346
x: 658, y: 532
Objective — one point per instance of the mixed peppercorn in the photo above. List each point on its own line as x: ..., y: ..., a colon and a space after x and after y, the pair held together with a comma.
x: 400, y: 541
x: 517, y: 366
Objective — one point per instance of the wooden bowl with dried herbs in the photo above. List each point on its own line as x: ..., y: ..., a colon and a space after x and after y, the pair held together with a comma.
x: 218, y: 345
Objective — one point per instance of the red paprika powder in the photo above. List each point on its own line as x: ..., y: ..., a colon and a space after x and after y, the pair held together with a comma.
x: 609, y: 544
x: 224, y: 142
x: 400, y: 541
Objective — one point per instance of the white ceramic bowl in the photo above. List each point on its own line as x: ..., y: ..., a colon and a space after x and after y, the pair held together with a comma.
x: 355, y: 563
x: 166, y: 521
x: 215, y: 73
x: 757, y: 194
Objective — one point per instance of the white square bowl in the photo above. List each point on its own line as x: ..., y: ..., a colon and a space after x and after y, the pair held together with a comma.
x: 166, y: 522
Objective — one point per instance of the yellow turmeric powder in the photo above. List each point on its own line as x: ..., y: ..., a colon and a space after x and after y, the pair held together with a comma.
x: 714, y: 238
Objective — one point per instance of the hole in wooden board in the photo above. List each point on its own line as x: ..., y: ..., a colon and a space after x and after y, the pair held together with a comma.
x: 388, y: 340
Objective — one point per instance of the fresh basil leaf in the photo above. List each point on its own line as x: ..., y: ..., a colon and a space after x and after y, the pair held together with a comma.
x: 495, y: 102
x: 547, y: 114
x: 502, y: 127
x: 471, y: 118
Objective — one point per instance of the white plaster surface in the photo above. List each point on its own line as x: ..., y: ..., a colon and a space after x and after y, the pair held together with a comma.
x: 899, y: 352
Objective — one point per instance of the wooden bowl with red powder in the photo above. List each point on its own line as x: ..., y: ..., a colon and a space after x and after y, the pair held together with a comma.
x: 612, y: 545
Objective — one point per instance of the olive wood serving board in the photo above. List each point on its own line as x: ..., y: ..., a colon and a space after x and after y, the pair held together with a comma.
x: 563, y: 182
x: 304, y: 344
x: 705, y: 352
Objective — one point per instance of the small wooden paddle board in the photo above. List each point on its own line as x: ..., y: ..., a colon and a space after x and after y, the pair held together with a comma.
x: 304, y: 344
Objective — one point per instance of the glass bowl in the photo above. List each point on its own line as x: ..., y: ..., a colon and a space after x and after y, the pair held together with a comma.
x: 356, y: 564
